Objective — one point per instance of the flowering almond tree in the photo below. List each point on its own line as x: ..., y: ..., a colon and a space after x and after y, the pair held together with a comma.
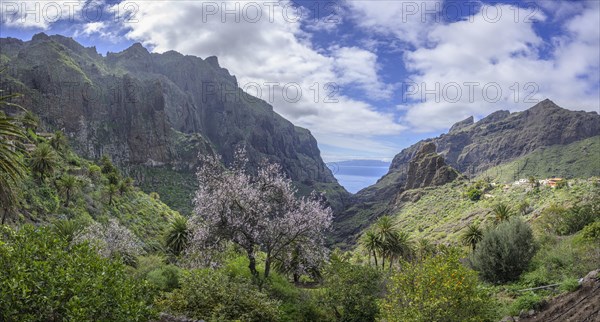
x: 257, y: 212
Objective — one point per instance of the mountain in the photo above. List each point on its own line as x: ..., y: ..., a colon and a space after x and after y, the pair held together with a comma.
x: 154, y: 113
x: 471, y: 148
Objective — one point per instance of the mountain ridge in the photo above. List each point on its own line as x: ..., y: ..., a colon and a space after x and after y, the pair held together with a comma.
x: 471, y: 147
x: 155, y: 111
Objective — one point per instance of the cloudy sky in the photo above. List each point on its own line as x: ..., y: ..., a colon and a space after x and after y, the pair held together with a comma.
x: 368, y: 78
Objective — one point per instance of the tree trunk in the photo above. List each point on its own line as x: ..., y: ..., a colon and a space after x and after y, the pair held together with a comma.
x: 4, y: 215
x: 252, y: 264
x: 68, y: 198
x: 375, y: 256
x: 296, y: 278
x: 267, y: 266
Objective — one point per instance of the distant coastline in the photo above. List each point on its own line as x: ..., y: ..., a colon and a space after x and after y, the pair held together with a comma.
x: 355, y: 175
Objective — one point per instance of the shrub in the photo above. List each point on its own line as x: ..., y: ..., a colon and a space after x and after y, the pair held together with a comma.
x: 352, y: 290
x: 214, y: 295
x: 528, y: 301
x: 45, y: 279
x: 564, y: 221
x: 570, y: 285
x: 439, y: 288
x: 504, y: 252
x: 591, y: 232
x: 165, y: 278
x: 474, y: 194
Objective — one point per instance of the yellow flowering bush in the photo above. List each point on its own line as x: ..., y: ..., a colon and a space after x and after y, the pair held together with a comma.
x: 438, y: 288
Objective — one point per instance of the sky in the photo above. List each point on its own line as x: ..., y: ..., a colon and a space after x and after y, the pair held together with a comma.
x: 367, y: 78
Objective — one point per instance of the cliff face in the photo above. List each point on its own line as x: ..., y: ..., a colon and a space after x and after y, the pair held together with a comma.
x: 471, y: 148
x: 156, y: 111
x: 428, y: 168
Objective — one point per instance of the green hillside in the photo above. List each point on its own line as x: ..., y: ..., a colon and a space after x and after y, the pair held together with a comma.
x: 442, y: 213
x: 97, y: 193
x: 580, y: 159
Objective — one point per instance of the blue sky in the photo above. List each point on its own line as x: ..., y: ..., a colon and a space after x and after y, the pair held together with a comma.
x: 374, y: 76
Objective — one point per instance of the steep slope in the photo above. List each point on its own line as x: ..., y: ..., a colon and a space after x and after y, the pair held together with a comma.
x: 579, y: 159
x: 426, y: 169
x: 473, y: 147
x: 153, y: 113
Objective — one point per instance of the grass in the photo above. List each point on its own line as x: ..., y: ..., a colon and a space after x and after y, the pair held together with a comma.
x: 576, y: 160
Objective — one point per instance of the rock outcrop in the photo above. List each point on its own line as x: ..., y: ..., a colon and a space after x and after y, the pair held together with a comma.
x: 156, y: 111
x: 427, y: 168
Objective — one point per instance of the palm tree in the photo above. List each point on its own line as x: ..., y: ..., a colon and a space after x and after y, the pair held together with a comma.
x: 472, y: 236
x: 502, y: 212
x: 371, y: 243
x: 111, y: 191
x: 67, y: 185
x: 177, y: 236
x: 125, y: 186
x: 386, y: 232
x: 399, y: 246
x: 12, y: 168
x: 29, y: 120
x: 43, y: 160
x: 59, y: 141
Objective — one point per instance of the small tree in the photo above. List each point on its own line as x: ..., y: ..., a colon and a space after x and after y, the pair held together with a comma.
x: 125, y: 186
x: 439, y: 288
x: 68, y: 184
x: 505, y: 251
x: 111, y: 240
x: 59, y: 141
x: 371, y: 243
x: 502, y: 212
x: 472, y: 236
x: 352, y: 291
x: 111, y: 192
x: 43, y: 161
x: 256, y: 212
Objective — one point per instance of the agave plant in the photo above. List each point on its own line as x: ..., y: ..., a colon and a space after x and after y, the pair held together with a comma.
x: 502, y: 212
x: 177, y: 236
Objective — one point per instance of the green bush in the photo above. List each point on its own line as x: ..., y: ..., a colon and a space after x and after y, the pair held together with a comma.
x: 352, y: 291
x: 591, y: 232
x: 564, y: 221
x: 46, y: 279
x: 474, y: 194
x: 213, y: 295
x: 570, y: 285
x: 505, y: 252
x: 165, y: 278
x: 439, y: 288
x: 528, y: 301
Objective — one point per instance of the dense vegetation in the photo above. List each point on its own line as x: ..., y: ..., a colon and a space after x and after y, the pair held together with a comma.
x: 80, y: 242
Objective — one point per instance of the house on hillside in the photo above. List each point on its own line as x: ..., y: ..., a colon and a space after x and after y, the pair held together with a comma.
x: 553, y: 182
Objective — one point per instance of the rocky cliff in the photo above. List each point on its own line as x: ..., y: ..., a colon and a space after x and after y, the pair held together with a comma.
x: 471, y: 148
x: 153, y: 113
x: 427, y: 168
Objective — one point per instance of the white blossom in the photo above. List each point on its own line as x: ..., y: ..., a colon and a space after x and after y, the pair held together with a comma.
x: 257, y: 212
x: 110, y: 239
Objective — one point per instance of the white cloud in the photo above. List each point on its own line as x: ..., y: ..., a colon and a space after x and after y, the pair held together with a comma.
x: 358, y: 66
x: 273, y: 48
x: 408, y: 20
x: 500, y: 55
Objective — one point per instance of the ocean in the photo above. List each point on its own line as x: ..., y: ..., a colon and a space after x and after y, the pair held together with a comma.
x: 356, y: 177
